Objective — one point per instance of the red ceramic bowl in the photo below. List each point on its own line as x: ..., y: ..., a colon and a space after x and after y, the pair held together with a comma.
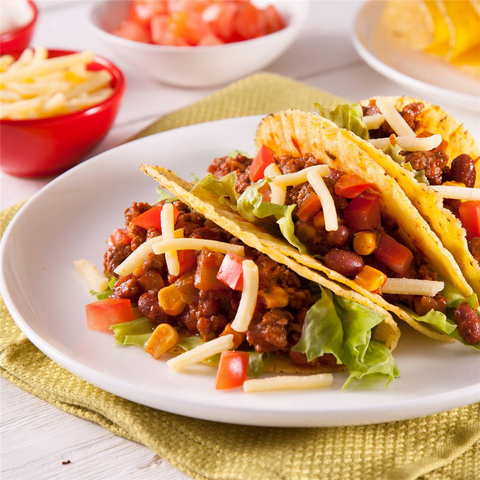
x: 48, y: 146
x: 19, y: 39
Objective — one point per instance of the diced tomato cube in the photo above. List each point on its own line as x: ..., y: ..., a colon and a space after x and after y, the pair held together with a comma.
x: 272, y: 20
x: 363, y: 212
x: 247, y: 22
x: 219, y: 17
x: 350, y: 186
x: 232, y: 369
x: 231, y: 271
x: 263, y: 159
x: 470, y: 216
x: 159, y: 28
x: 209, y: 39
x: 118, y: 237
x: 151, y: 218
x: 393, y: 254
x: 309, y: 207
x: 133, y: 31
x: 103, y: 314
x: 187, y: 259
x: 188, y: 25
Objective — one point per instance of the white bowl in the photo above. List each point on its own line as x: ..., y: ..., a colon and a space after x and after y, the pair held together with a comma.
x: 199, y: 66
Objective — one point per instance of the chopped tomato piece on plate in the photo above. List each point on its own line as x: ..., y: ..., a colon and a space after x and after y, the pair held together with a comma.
x: 219, y: 17
x: 310, y: 206
x: 470, y: 216
x: 350, y: 186
x: 272, y: 20
x: 232, y: 369
x: 103, y: 314
x: 209, y: 39
x: 151, y: 218
x: 247, y: 22
x: 118, y: 237
x: 186, y: 259
x: 263, y: 159
x: 393, y: 254
x: 231, y: 271
x: 363, y: 212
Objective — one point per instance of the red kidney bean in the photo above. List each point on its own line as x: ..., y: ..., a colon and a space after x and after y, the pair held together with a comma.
x: 468, y: 323
x: 463, y: 170
x: 345, y: 262
x: 339, y: 237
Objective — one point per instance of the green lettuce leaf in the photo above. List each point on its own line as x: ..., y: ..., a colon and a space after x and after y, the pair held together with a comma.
x: 164, y: 195
x: 346, y: 115
x: 140, y: 326
x: 255, y: 364
x: 251, y: 207
x: 137, y: 340
x: 434, y: 318
x: 343, y: 328
x: 223, y: 188
x: 189, y: 343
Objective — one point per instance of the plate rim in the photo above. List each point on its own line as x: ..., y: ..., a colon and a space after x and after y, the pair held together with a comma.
x: 403, y: 409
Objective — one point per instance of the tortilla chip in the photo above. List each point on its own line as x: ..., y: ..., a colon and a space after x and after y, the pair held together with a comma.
x: 428, y: 202
x: 277, y: 249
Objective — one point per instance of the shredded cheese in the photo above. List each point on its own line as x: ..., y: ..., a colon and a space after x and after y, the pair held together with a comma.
x: 291, y: 179
x: 136, y: 258
x: 458, y: 193
x: 410, y: 144
x: 95, y: 280
x: 279, y: 192
x: 202, y: 352
x: 394, y: 119
x: 249, y: 297
x: 411, y: 286
x: 197, y: 244
x: 326, y: 199
x: 167, y: 220
x: 372, y: 122
x: 288, y: 383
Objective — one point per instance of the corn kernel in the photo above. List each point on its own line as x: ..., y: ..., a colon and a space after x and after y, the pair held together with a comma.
x: 238, y: 337
x: 365, y: 243
x: 164, y: 338
x: 454, y: 184
x: 171, y: 301
x: 370, y: 278
x: 274, y: 297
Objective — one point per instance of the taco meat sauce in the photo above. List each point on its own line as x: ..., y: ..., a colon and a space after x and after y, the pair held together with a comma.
x: 206, y: 305
x: 365, y: 236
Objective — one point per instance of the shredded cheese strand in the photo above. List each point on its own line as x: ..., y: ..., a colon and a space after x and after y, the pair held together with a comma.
x: 326, y: 199
x: 167, y: 220
x: 279, y: 192
x: 136, y: 258
x: 372, y: 122
x: 411, y: 286
x: 197, y: 244
x: 291, y: 179
x: 288, y: 383
x: 248, y: 300
x: 410, y: 144
x: 202, y: 352
x: 458, y: 193
x: 95, y: 280
x: 394, y: 119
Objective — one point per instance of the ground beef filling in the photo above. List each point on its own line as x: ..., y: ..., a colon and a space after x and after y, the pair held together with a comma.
x: 209, y: 304
x: 336, y: 248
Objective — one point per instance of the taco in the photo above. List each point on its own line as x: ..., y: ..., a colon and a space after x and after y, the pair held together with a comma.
x: 355, y: 224
x: 436, y: 161
x: 296, y: 320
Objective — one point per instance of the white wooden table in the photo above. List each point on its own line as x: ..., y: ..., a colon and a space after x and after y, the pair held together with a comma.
x: 35, y: 437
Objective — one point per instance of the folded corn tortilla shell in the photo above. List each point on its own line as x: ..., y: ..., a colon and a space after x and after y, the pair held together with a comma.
x: 278, y: 250
x: 427, y: 201
x: 299, y: 133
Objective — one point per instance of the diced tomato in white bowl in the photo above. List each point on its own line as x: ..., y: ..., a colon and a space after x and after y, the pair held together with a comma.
x: 201, y: 43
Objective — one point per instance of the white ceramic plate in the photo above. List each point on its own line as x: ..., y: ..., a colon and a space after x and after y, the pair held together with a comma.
x: 71, y: 219
x: 416, y: 70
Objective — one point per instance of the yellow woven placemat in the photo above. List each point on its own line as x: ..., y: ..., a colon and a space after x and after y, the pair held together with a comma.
x: 438, y: 447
